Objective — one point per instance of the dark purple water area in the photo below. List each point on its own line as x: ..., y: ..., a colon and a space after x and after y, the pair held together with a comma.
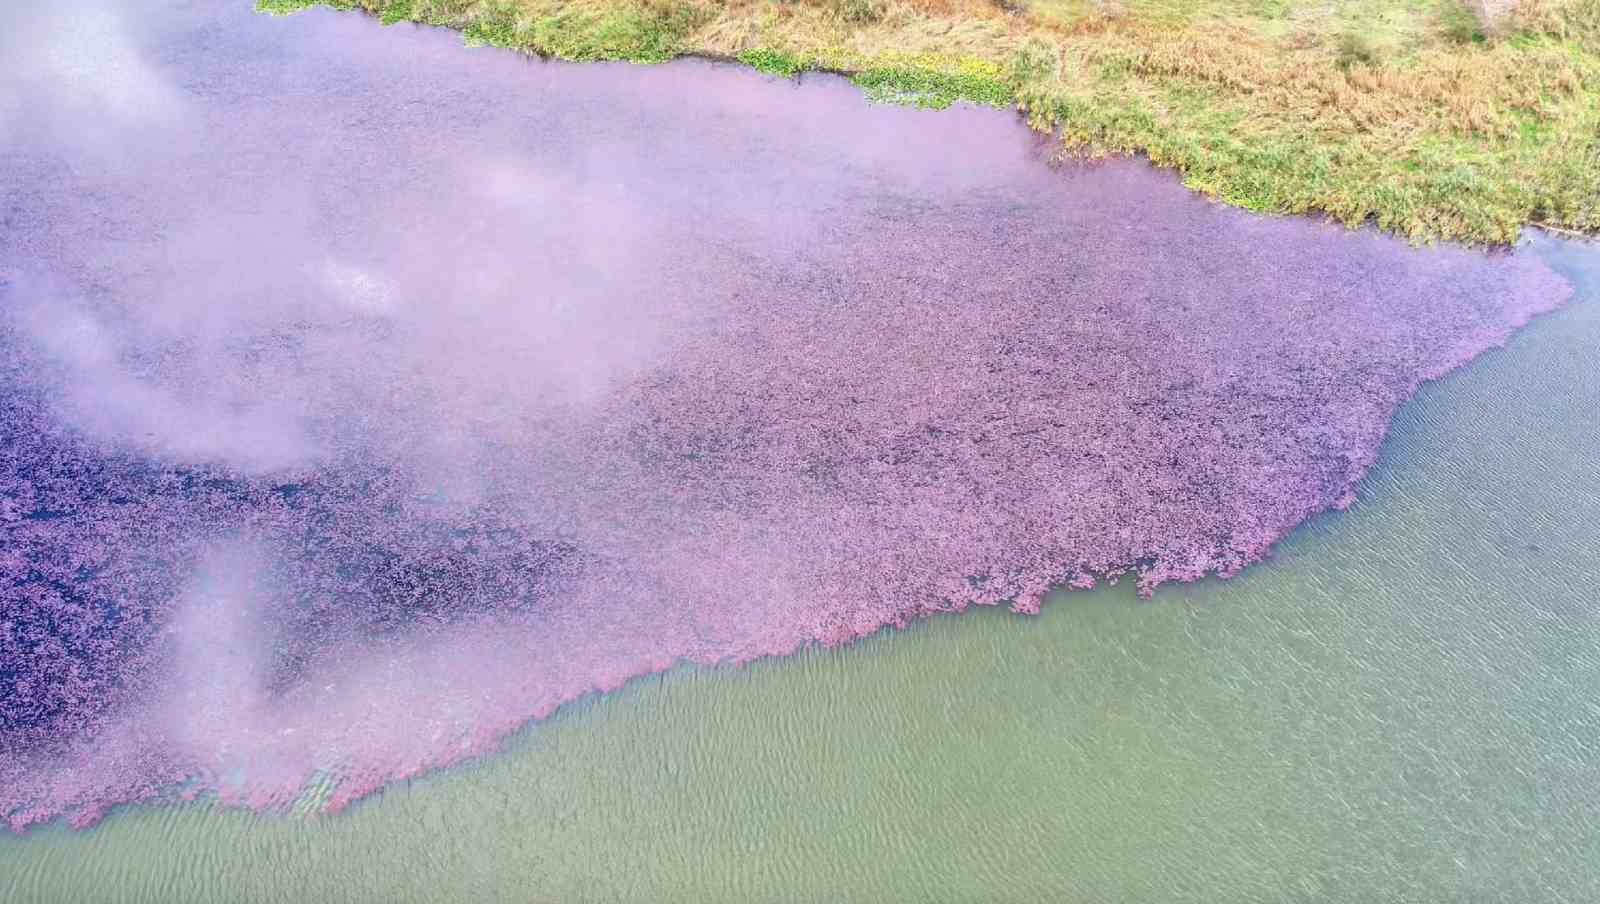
x: 364, y: 396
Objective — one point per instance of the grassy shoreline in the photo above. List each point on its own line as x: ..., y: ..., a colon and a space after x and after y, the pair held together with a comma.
x: 1425, y: 117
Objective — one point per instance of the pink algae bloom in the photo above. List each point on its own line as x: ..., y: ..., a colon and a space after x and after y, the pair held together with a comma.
x: 314, y: 471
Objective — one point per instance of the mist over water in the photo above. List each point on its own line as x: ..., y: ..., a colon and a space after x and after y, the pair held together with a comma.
x: 364, y: 397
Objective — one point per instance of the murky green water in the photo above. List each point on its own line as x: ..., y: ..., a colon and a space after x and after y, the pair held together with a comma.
x: 1403, y: 706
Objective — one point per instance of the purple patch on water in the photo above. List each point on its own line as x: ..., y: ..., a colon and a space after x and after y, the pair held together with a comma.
x: 363, y: 397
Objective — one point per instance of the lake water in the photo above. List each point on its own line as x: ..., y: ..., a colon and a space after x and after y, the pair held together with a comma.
x: 1402, y: 703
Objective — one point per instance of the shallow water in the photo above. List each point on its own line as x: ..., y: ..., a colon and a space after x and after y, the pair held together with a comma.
x: 1397, y: 705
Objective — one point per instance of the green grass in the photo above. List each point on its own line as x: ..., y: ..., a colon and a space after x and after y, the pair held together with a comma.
x: 929, y: 88
x: 774, y: 62
x: 1408, y: 114
x: 288, y: 7
x: 638, y: 34
x: 396, y: 11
